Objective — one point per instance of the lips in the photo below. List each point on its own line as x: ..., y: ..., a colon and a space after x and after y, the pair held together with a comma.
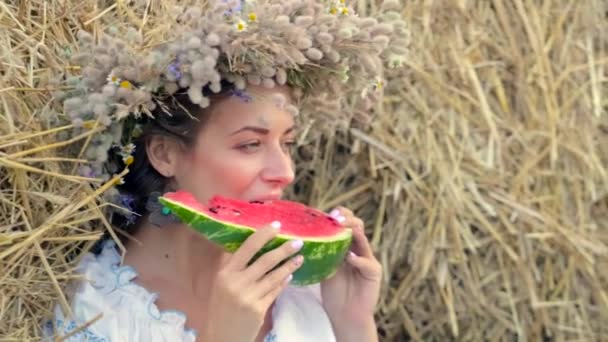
x: 268, y: 198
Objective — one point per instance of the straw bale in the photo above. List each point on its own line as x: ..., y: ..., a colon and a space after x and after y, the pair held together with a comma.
x: 482, y: 178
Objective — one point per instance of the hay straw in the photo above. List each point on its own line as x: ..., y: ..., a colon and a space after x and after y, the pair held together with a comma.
x: 483, y: 186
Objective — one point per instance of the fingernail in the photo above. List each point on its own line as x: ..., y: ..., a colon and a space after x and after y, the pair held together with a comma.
x: 298, y: 260
x: 297, y: 244
x: 288, y: 279
x: 276, y: 225
x: 341, y: 218
x: 352, y: 254
x: 335, y: 213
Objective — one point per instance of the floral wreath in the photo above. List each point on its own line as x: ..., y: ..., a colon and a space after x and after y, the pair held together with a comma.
x: 331, y: 57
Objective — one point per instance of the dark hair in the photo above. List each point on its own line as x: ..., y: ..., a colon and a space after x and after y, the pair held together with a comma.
x: 176, y: 117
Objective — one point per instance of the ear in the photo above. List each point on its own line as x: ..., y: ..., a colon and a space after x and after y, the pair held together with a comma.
x: 163, y: 154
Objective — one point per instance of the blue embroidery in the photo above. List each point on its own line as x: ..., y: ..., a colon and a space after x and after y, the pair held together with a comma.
x: 71, y: 326
x: 271, y: 337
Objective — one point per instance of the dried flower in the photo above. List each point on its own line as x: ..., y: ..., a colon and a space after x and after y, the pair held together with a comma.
x: 314, y: 54
x: 252, y: 17
x: 268, y: 83
x: 254, y: 79
x: 304, y: 21
x: 382, y: 28
x: 281, y: 76
x: 279, y: 100
x: 325, y: 38
x: 304, y: 43
x: 213, y: 39
x: 268, y: 71
x: 293, y: 110
x: 195, y: 94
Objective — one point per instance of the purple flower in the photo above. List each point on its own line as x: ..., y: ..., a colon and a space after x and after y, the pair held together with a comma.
x: 174, y: 70
x: 241, y: 94
x: 87, y: 171
x: 237, y: 6
x: 126, y: 201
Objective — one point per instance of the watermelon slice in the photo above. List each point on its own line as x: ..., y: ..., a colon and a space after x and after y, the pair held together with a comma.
x: 230, y: 222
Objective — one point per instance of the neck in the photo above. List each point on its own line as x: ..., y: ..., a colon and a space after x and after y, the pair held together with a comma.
x: 176, y: 253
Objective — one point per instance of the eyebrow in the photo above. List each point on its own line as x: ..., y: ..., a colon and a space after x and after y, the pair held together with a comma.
x: 260, y: 130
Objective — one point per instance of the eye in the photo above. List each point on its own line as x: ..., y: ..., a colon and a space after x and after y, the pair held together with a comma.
x: 249, y: 147
x: 289, y: 145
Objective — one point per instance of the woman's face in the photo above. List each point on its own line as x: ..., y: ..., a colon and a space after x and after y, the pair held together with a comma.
x: 243, y: 150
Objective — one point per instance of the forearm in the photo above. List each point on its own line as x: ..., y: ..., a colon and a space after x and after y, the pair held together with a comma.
x: 359, y: 330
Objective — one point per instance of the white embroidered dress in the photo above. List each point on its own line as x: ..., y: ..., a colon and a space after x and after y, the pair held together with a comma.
x: 131, y: 315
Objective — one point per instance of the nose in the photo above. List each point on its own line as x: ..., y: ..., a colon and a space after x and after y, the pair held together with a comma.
x: 279, y: 168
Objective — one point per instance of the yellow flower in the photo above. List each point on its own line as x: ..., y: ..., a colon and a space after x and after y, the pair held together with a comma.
x: 333, y: 10
x: 90, y: 124
x: 344, y: 10
x: 128, y: 160
x: 137, y: 131
x: 253, y: 17
x: 241, y: 26
x: 378, y: 85
x: 342, y: 2
x: 126, y: 84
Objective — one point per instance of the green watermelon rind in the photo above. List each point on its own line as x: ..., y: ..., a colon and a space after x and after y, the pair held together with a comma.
x: 322, y: 256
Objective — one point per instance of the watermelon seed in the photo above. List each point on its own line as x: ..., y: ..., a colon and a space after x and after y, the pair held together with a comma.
x: 213, y: 210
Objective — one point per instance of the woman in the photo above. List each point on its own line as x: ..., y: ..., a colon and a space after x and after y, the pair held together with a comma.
x: 222, y: 98
x: 241, y: 149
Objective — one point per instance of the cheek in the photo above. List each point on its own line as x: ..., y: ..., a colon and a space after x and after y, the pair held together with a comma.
x: 219, y: 173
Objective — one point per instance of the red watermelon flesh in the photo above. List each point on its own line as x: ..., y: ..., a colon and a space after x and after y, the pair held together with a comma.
x: 296, y: 219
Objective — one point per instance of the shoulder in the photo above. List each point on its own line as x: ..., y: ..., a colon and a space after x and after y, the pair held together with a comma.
x: 118, y: 308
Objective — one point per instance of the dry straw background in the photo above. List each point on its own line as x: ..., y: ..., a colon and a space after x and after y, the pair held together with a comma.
x: 483, y: 182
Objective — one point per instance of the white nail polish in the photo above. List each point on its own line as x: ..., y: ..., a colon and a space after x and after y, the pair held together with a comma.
x: 276, y: 225
x: 341, y: 218
x: 335, y: 213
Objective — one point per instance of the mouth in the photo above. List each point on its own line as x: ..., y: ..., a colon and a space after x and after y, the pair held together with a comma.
x: 267, y: 198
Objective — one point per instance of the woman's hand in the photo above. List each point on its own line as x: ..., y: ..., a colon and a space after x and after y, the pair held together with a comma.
x: 351, y: 295
x: 241, y: 294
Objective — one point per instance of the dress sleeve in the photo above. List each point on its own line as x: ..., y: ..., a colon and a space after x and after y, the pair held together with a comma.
x: 128, y: 310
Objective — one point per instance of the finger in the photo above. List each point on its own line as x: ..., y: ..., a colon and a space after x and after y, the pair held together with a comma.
x: 274, y: 293
x: 270, y: 260
x: 251, y: 246
x: 369, y: 268
x: 361, y: 245
x: 276, y: 278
